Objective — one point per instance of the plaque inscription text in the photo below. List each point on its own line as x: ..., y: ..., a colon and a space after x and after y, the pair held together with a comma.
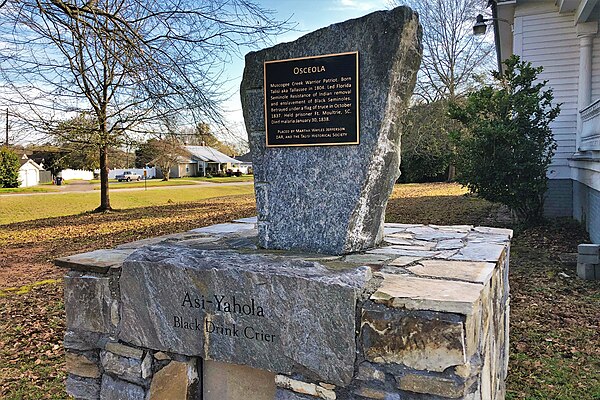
x: 312, y: 101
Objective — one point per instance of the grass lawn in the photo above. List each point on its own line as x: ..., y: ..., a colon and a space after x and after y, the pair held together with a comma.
x: 226, y: 179
x: 31, y: 189
x: 149, y: 183
x: 25, y: 208
x: 555, y: 317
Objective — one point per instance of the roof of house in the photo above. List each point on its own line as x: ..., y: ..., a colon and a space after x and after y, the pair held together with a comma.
x: 247, y: 158
x: 25, y: 160
x: 208, y: 154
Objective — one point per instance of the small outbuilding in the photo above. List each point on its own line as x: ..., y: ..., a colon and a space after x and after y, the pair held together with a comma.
x: 29, y: 172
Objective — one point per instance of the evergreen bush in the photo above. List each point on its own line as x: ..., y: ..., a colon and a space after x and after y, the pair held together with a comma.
x: 506, y: 146
x: 9, y: 168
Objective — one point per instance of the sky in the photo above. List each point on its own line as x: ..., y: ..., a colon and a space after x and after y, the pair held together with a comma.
x: 307, y: 16
x: 304, y: 16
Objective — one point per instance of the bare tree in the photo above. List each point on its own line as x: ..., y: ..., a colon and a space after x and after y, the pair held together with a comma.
x: 128, y: 63
x: 163, y: 153
x: 453, y: 59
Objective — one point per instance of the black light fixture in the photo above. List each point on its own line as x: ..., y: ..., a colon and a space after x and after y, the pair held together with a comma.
x: 480, y: 26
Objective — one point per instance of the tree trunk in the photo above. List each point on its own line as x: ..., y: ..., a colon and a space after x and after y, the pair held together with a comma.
x: 451, y: 172
x: 104, y: 198
x: 166, y: 175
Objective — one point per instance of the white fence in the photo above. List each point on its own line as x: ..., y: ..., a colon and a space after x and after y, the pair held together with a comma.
x: 69, y: 174
x: 151, y: 172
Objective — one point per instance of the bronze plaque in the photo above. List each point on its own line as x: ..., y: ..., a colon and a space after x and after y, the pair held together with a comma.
x: 312, y: 101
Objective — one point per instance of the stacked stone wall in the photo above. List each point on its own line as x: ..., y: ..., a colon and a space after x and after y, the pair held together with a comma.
x: 431, y: 318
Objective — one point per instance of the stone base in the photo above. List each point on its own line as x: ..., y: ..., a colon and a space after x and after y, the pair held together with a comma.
x: 423, y: 316
x: 588, y: 261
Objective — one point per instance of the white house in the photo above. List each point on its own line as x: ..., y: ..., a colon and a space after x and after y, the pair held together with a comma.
x: 562, y: 36
x: 202, y: 160
x: 29, y: 172
x: 246, y: 163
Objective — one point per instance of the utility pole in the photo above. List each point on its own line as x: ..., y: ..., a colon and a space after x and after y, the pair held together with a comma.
x: 6, y: 127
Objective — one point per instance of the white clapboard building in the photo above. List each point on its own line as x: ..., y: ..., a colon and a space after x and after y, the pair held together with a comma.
x: 562, y: 36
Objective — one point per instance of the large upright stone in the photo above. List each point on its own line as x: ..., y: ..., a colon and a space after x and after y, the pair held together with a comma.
x: 332, y: 199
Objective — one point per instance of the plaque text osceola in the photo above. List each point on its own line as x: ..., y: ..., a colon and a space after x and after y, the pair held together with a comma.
x: 312, y: 101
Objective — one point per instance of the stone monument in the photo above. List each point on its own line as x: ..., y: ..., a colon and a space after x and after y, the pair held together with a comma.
x: 323, y: 184
x: 315, y: 298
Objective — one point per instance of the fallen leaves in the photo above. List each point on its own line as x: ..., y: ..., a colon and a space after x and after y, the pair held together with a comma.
x: 555, y: 317
x: 31, y: 354
x: 30, y: 247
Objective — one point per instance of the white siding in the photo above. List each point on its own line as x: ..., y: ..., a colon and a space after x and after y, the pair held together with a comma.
x: 549, y: 40
x: 28, y: 175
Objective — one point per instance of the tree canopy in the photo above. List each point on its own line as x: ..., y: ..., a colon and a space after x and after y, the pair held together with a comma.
x: 127, y: 63
x: 454, y: 61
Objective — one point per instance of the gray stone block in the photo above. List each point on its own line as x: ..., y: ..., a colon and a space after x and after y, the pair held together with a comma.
x: 366, y: 392
x: 480, y: 252
x: 221, y: 229
x: 367, y: 372
x: 586, y: 271
x: 593, y: 249
x: 433, y: 385
x: 588, y: 259
x: 332, y: 199
x: 125, y: 368
x: 100, y: 261
x: 264, y: 311
x: 83, y: 388
x: 117, y: 389
x: 282, y: 394
x: 84, y: 340
x: 88, y: 303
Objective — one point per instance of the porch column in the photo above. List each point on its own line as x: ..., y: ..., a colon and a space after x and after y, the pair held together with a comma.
x: 586, y: 33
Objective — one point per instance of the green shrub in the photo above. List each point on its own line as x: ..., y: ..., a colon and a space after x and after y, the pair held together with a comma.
x: 9, y: 168
x: 506, y: 145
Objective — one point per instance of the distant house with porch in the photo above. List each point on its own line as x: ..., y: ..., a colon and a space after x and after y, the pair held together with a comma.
x: 29, y: 172
x: 203, y: 160
x: 562, y: 36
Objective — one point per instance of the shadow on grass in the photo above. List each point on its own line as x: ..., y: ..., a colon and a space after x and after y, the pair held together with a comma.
x: 446, y: 210
x: 61, y: 236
